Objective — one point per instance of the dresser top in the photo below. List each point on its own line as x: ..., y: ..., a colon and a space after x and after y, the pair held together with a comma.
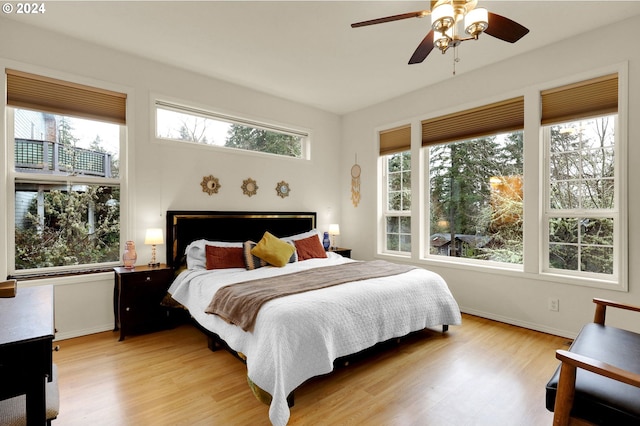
x: 27, y: 316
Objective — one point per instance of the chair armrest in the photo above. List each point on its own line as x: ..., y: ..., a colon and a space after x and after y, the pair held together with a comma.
x: 598, y: 367
x: 567, y: 382
x: 601, y: 308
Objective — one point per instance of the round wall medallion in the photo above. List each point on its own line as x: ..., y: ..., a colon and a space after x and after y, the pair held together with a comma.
x: 210, y: 184
x: 249, y: 187
x: 282, y: 188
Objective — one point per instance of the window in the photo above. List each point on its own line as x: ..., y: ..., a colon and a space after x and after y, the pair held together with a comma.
x: 66, y: 173
x: 193, y: 125
x: 475, y: 190
x: 476, y: 207
x: 398, y: 205
x: 581, y: 212
x: 474, y: 183
x: 396, y: 163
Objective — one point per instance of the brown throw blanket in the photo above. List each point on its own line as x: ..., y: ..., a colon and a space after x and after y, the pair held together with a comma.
x: 239, y: 303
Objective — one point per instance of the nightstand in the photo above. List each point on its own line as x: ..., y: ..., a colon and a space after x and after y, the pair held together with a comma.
x: 137, y: 294
x: 344, y: 252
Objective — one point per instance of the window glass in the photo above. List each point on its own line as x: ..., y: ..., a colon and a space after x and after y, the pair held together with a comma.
x: 67, y: 191
x: 476, y: 198
x: 189, y: 125
x: 398, y: 202
x: 581, y: 210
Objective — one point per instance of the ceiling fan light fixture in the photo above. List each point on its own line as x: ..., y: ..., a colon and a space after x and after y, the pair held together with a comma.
x: 476, y: 21
x: 453, y: 22
x: 443, y: 40
x: 442, y: 17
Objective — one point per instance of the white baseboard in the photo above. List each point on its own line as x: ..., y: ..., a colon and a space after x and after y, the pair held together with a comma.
x: 519, y: 323
x: 84, y: 332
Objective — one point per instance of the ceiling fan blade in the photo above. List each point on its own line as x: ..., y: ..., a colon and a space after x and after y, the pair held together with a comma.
x: 505, y: 29
x: 418, y: 14
x: 423, y: 49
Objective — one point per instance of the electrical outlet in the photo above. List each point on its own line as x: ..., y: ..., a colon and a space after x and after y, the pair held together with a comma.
x: 554, y: 304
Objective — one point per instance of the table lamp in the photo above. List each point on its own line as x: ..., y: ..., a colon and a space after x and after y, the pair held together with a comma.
x: 154, y: 236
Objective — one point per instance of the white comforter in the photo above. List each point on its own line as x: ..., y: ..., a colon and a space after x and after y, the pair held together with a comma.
x: 299, y: 336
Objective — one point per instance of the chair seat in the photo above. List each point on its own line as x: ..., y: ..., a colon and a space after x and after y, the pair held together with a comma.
x: 13, y: 410
x: 602, y: 400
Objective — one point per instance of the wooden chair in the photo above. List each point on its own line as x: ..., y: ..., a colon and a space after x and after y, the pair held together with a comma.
x: 598, y: 380
x: 13, y: 411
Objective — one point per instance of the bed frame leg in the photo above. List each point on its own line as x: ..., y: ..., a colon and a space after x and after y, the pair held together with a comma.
x: 213, y: 343
x: 445, y: 328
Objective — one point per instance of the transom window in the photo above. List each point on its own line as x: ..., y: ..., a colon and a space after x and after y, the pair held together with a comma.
x: 186, y: 124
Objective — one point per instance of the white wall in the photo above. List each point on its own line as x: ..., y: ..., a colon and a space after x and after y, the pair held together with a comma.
x: 508, y: 297
x: 165, y: 176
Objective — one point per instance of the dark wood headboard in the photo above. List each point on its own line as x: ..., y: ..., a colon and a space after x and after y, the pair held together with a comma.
x: 184, y: 227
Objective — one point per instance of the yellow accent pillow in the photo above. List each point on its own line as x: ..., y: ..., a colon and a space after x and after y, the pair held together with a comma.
x: 273, y: 250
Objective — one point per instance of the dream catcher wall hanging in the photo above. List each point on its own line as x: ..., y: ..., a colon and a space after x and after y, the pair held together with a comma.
x: 355, y: 183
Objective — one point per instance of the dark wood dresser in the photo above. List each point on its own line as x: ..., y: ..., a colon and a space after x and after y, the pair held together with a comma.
x: 26, y: 338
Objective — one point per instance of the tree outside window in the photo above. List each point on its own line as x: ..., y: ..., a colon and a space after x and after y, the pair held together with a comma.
x: 475, y: 193
x: 67, y: 192
x: 398, y: 204
x: 581, y: 211
x: 206, y: 128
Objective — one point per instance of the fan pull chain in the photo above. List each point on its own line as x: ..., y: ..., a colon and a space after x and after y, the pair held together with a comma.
x: 455, y: 58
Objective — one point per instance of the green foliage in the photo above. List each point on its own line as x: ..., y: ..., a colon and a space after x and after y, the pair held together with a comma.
x: 78, y: 227
x: 260, y: 140
x: 462, y: 200
x: 399, y: 181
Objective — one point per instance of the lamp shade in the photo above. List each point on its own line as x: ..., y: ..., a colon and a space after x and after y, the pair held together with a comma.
x: 476, y: 21
x: 154, y: 236
x: 442, y: 17
x: 334, y: 229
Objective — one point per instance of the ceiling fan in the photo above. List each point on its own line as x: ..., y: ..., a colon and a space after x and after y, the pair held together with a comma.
x: 455, y: 21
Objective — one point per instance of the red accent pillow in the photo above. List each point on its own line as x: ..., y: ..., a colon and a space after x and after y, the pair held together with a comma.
x: 309, y: 248
x: 224, y: 257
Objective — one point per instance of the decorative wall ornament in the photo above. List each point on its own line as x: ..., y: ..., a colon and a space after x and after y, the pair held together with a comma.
x: 210, y: 184
x: 355, y: 183
x: 249, y: 187
x: 282, y: 188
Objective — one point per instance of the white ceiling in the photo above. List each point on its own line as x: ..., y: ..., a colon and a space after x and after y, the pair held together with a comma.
x: 306, y: 51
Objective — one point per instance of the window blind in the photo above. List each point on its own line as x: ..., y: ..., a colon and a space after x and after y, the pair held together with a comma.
x: 31, y: 91
x: 395, y: 140
x: 598, y: 96
x: 499, y: 117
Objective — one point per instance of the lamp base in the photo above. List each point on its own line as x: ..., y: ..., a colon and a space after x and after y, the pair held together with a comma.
x: 154, y: 265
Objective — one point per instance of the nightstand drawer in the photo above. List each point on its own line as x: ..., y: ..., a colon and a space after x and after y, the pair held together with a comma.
x: 151, y: 278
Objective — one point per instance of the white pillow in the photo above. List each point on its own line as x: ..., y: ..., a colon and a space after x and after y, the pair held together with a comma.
x: 196, y: 252
x: 303, y: 236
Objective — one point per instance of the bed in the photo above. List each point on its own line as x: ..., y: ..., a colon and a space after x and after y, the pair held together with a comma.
x: 298, y: 336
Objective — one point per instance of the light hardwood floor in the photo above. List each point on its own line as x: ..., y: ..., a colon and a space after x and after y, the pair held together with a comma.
x: 480, y: 373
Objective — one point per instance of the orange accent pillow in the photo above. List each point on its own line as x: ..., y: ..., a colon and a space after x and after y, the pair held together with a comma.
x: 309, y: 248
x: 224, y: 257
